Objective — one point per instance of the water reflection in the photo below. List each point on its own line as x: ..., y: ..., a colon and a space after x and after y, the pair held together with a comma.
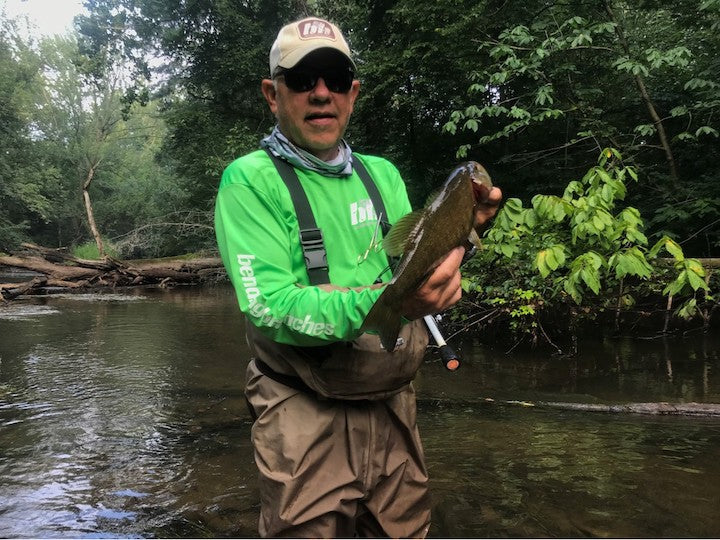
x: 125, y: 417
x: 531, y: 474
x: 608, y: 371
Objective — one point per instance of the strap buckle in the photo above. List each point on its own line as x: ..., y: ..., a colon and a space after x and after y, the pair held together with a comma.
x: 313, y: 249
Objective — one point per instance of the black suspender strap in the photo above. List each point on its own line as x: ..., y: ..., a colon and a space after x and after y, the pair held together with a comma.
x: 311, y: 238
x: 373, y: 193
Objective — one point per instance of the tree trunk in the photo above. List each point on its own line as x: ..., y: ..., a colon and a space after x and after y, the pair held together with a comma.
x: 89, y: 210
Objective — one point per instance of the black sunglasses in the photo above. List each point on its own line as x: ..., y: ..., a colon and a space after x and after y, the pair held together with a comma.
x: 304, y: 79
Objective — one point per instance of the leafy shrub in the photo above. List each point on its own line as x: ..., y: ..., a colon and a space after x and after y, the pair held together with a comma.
x: 574, y: 258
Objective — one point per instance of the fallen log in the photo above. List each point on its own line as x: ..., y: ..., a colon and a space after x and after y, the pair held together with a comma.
x: 712, y: 262
x: 658, y: 408
x: 8, y: 291
x: 60, y: 270
x: 43, y: 266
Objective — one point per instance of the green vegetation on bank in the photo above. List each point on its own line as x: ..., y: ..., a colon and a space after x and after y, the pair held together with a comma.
x: 566, y: 260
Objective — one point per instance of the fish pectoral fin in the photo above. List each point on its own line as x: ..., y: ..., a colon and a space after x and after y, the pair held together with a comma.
x: 474, y: 238
x: 397, y: 238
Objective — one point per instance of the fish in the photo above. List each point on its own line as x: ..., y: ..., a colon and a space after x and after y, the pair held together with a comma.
x: 423, y: 237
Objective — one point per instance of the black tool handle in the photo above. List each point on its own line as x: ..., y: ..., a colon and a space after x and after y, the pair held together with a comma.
x: 450, y: 359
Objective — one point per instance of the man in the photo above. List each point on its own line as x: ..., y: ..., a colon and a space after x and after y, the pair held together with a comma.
x: 335, y: 437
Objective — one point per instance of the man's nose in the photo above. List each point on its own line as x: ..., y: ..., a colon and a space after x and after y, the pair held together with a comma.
x: 321, y: 90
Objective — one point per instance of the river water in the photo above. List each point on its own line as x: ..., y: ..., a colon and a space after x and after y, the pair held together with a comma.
x: 122, y: 415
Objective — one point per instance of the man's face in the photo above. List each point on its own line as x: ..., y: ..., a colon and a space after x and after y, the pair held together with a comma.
x: 314, y: 119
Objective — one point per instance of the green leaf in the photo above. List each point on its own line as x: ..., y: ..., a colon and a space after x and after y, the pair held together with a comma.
x: 688, y: 309
x: 679, y: 111
x: 570, y: 288
x: 694, y: 84
x: 696, y: 282
x: 591, y: 278
x: 508, y: 250
x: 645, y: 129
x: 514, y: 210
x: 580, y: 39
x: 598, y: 223
x: 695, y: 274
x: 499, y: 77
x: 462, y: 151
x: 530, y: 218
x: 639, y: 69
x: 674, y: 249
x: 471, y: 124
x: 558, y: 251
x: 544, y: 95
x: 541, y: 263
x: 671, y: 246
x: 518, y: 112
x: 677, y: 285
x: 706, y: 130
x: 630, y: 262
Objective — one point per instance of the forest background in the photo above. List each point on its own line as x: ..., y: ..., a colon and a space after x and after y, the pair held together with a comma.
x: 600, y: 121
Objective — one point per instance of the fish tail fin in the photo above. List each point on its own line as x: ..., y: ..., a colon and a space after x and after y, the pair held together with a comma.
x: 386, y: 321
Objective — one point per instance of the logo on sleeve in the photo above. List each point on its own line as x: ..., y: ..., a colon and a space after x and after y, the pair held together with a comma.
x: 263, y: 313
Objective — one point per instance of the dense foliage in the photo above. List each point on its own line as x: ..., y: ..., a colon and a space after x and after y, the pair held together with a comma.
x: 151, y: 99
x: 566, y: 260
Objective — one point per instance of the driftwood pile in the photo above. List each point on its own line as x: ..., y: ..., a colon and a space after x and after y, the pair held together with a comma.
x: 57, y: 270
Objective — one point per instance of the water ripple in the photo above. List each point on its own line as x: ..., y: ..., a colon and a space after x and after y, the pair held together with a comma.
x: 21, y: 312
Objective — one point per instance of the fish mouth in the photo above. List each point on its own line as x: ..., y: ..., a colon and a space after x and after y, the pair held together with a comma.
x: 480, y: 188
x: 481, y: 182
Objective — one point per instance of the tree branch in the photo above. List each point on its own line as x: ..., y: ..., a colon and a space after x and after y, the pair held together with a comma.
x: 657, y: 121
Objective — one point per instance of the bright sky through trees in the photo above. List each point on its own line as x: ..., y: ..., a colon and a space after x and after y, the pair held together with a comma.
x: 49, y: 16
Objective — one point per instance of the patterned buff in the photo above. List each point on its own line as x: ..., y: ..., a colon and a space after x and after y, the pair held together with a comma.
x: 281, y: 147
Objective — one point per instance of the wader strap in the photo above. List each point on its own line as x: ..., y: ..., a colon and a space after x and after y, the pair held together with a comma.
x: 311, y: 238
x: 373, y: 193
x: 288, y: 380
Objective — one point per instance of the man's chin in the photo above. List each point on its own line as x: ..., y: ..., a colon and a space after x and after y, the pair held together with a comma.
x: 325, y: 149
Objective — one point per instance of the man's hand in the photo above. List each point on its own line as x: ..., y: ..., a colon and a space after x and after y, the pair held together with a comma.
x: 487, y: 209
x: 441, y: 290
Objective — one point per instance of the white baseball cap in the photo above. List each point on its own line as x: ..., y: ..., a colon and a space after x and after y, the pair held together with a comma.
x: 297, y: 39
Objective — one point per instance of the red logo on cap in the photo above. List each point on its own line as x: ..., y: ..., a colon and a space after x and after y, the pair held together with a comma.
x: 315, y: 28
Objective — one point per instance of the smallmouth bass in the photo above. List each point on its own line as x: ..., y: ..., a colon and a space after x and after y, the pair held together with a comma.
x: 423, y: 237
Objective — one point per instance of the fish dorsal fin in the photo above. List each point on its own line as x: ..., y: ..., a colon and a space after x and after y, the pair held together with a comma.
x: 434, y: 194
x: 396, y: 240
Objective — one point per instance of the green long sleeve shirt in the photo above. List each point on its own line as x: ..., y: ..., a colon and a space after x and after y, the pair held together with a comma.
x: 258, y: 238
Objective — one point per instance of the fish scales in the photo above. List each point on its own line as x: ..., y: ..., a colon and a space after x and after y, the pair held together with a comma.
x: 444, y: 224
